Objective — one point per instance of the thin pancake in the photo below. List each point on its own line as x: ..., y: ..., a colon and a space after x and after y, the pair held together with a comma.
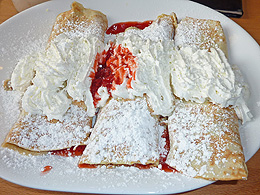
x: 204, y: 138
x: 205, y: 142
x: 37, y: 133
x: 202, y: 33
x: 125, y: 133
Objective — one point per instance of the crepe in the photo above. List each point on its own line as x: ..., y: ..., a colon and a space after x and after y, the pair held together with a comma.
x: 204, y: 137
x: 79, y: 21
x: 202, y: 33
x: 205, y: 142
x: 162, y: 28
x: 34, y: 133
x: 125, y: 133
x: 136, y: 63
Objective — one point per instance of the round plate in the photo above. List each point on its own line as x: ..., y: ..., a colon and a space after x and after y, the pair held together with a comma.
x: 28, y: 31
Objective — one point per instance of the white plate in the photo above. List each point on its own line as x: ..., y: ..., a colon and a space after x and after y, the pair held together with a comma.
x: 29, y: 31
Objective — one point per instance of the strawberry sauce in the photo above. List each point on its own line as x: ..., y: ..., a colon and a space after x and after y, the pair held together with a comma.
x: 78, y: 151
x: 111, y: 68
x: 122, y: 26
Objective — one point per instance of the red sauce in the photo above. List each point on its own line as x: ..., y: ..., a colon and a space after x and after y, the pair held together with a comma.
x: 92, y: 166
x: 46, y: 169
x: 111, y: 68
x: 89, y: 166
x: 140, y: 166
x: 166, y: 167
x: 102, y: 75
x: 78, y: 151
x: 122, y: 26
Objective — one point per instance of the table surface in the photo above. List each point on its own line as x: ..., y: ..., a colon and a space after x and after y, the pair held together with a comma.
x: 251, y: 23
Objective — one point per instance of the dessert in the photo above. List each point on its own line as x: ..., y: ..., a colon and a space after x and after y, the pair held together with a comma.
x: 205, y: 142
x: 136, y: 82
x: 201, y: 33
x: 203, y: 128
x: 125, y: 134
x: 57, y: 107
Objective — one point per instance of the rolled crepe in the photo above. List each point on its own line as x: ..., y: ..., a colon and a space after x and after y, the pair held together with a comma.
x: 204, y: 137
x: 35, y: 133
x: 138, y: 62
x: 125, y: 133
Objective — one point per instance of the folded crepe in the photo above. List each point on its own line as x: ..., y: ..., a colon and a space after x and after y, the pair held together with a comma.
x: 202, y: 33
x: 205, y: 142
x: 125, y: 133
x: 35, y: 133
x: 137, y: 61
x: 204, y: 137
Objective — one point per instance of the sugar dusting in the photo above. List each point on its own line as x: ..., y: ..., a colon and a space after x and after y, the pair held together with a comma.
x: 205, y: 141
x: 20, y: 48
x: 9, y: 109
x: 66, y: 173
x: 201, y: 33
x: 125, y: 133
x: 36, y: 133
x: 65, y: 167
x: 80, y: 29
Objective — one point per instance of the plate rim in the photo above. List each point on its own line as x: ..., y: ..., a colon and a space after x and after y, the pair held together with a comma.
x: 17, y: 16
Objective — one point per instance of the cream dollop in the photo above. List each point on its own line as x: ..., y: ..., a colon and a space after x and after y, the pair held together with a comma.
x: 162, y: 70
x: 62, y: 71
x: 23, y: 73
x: 187, y: 72
x: 152, y: 74
x: 202, y: 75
x: 51, y: 103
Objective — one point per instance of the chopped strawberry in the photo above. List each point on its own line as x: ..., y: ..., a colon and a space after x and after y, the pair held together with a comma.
x: 111, y: 68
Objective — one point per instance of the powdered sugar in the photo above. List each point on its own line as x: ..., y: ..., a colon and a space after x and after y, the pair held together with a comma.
x: 80, y: 29
x: 34, y: 132
x: 205, y: 141
x: 125, y: 133
x: 67, y: 175
x: 9, y: 109
x: 201, y: 33
x: 118, y: 174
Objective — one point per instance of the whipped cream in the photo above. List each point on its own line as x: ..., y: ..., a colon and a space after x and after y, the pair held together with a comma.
x: 153, y: 71
x: 51, y: 103
x: 188, y: 72
x: 61, y: 71
x: 202, y: 75
x: 23, y: 73
x: 163, y: 69
x: 157, y: 31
